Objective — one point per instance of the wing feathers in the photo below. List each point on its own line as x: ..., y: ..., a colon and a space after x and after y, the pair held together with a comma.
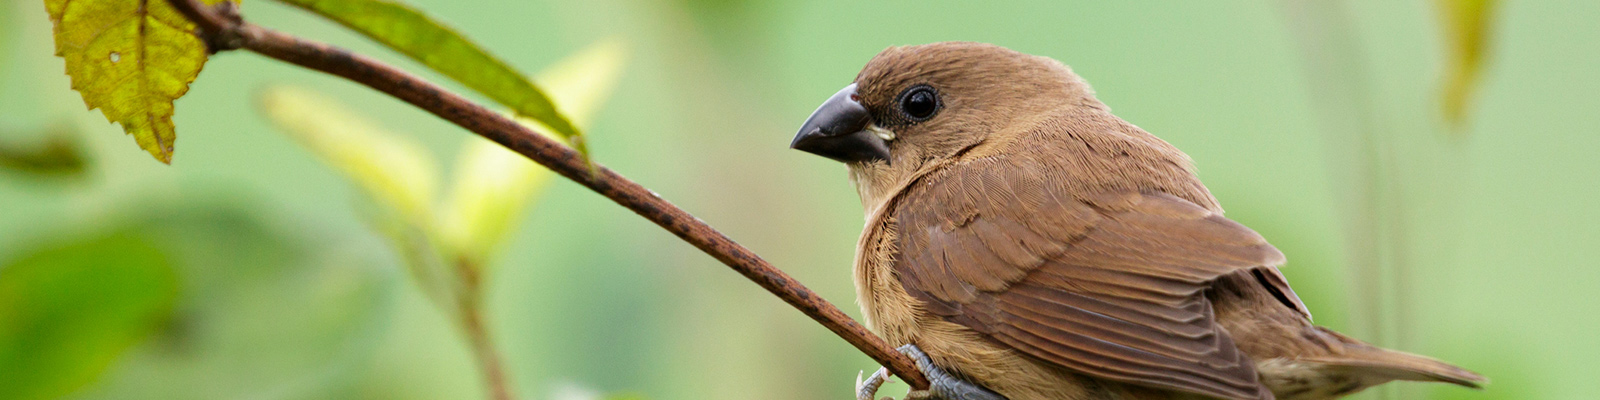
x: 1111, y: 367
x: 1110, y: 285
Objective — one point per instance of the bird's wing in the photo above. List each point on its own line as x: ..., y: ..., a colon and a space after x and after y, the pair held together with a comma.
x: 1110, y: 285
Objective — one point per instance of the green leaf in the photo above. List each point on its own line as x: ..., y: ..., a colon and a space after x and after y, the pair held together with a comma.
x: 59, y: 155
x: 1466, y: 24
x: 66, y: 313
x: 493, y: 185
x: 444, y: 50
x: 269, y: 309
x: 131, y: 59
x: 393, y: 170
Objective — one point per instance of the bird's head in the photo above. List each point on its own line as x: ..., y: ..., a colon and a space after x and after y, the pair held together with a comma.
x: 912, y: 106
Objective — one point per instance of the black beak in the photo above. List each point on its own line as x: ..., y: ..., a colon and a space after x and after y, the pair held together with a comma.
x: 838, y: 130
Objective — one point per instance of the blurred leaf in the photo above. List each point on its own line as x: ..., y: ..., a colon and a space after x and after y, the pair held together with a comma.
x: 66, y: 313
x: 493, y: 185
x: 444, y: 50
x: 1467, y: 31
x: 392, y: 169
x: 271, y: 309
x: 59, y: 155
x: 130, y: 59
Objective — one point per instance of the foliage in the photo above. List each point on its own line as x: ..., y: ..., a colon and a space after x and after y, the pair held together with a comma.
x: 492, y: 184
x: 397, y: 172
x: 130, y: 59
x: 60, y: 155
x: 445, y: 247
x: 1467, y: 24
x: 67, y: 312
x: 264, y: 308
x: 431, y: 43
x: 133, y: 58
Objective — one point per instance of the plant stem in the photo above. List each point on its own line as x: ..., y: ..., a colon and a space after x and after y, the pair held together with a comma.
x: 226, y: 32
x: 470, y: 306
x: 483, y: 350
x: 1362, y: 169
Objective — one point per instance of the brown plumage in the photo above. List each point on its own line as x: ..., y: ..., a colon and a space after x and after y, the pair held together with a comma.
x: 1035, y: 244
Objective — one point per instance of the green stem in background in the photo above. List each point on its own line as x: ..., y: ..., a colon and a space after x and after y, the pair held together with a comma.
x: 227, y: 31
x: 469, y: 301
x: 1362, y: 179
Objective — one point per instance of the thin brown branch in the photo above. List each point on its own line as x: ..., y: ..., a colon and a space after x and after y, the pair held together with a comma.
x: 558, y: 158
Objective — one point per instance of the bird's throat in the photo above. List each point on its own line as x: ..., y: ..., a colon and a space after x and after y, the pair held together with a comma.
x: 877, y: 182
x: 874, y: 183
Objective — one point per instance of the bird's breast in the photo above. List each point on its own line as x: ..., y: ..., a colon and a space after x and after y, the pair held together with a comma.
x: 887, y: 307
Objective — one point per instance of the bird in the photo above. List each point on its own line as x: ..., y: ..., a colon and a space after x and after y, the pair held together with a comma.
x: 1024, y: 243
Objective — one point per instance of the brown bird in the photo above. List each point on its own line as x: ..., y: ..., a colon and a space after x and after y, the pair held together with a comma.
x: 1024, y: 242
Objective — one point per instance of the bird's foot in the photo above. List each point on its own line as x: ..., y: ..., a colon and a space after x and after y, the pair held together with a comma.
x: 943, y: 386
x: 866, y: 389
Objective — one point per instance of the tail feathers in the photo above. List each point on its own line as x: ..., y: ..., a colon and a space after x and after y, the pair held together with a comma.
x: 1378, y: 365
x: 1346, y: 366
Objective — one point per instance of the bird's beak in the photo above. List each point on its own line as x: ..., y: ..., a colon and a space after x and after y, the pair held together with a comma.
x: 838, y: 130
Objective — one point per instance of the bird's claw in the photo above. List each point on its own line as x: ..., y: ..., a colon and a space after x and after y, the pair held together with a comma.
x: 866, y: 389
x: 942, y: 386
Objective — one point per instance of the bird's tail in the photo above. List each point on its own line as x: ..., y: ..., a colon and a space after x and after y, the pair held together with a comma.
x: 1387, y: 365
x: 1377, y: 365
x: 1346, y: 366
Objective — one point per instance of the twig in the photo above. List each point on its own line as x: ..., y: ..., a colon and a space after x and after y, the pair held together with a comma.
x: 469, y: 302
x: 483, y: 350
x: 553, y: 155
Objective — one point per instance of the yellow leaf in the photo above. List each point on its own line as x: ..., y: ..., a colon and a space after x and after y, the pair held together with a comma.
x: 492, y: 184
x: 1466, y: 24
x: 130, y: 59
x: 580, y: 83
x: 395, y: 172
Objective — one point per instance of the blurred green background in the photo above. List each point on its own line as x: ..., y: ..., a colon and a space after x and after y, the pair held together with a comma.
x: 248, y: 269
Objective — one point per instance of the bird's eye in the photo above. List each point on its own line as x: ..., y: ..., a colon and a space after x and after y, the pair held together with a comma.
x: 919, y: 102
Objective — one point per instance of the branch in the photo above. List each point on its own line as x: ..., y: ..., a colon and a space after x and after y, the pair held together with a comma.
x: 227, y: 31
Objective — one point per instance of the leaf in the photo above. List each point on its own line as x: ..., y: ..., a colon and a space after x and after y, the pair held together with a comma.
x: 493, y: 185
x: 393, y: 170
x: 131, y: 59
x: 59, y: 155
x: 397, y: 173
x: 271, y: 308
x: 66, y: 313
x: 1466, y: 24
x: 444, y: 50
